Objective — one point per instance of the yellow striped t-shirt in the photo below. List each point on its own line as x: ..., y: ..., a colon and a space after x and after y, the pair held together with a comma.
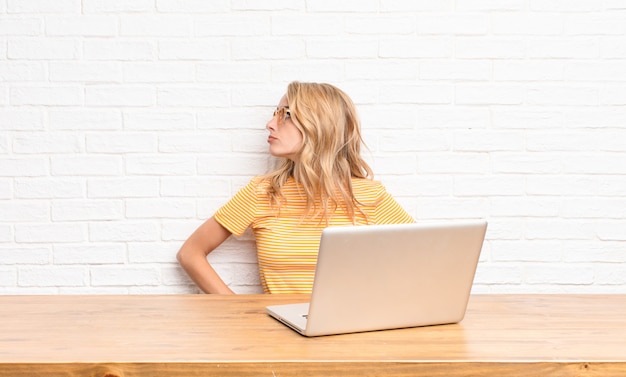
x: 287, y: 244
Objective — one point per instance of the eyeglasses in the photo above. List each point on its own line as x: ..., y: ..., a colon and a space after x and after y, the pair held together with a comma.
x: 283, y: 113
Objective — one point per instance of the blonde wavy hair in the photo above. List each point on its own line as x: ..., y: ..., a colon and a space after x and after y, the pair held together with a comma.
x: 331, y: 150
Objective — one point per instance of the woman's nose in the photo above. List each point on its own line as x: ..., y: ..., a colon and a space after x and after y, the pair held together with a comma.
x: 271, y: 124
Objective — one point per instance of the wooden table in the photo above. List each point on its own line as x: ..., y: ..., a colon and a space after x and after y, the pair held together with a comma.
x: 202, y: 335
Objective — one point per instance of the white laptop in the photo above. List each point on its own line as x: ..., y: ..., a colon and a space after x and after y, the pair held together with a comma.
x: 379, y: 277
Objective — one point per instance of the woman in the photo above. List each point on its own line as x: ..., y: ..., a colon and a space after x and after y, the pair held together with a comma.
x: 322, y: 181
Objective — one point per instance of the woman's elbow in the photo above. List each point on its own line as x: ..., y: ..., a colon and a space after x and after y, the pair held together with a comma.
x: 183, y: 257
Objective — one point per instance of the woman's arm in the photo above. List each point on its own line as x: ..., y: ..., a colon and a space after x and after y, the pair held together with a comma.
x: 192, y: 256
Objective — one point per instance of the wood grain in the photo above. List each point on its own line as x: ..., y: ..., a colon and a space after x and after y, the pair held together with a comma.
x: 187, y: 335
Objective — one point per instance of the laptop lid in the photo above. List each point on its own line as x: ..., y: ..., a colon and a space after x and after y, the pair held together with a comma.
x: 380, y: 277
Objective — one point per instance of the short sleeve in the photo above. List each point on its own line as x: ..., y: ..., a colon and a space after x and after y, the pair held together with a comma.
x: 388, y: 211
x: 239, y: 212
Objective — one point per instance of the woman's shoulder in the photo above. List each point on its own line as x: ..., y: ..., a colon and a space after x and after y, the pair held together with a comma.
x: 364, y: 189
x: 257, y: 184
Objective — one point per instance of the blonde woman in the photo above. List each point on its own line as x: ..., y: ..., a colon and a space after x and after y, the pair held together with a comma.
x: 322, y: 181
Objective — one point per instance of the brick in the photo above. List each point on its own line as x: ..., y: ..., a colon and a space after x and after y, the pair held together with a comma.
x: 563, y: 185
x: 563, y: 48
x: 153, y: 252
x: 447, y: 117
x: 595, y: 208
x: 524, y: 206
x: 565, y: 6
x: 74, y: 119
x: 453, y: 208
x: 490, y: 47
x: 4, y: 144
x: 455, y: 24
x: 196, y: 142
x: 193, y: 96
x: 455, y: 70
x: 613, y: 47
x: 248, y: 72
x: 85, y: 72
x: 160, y: 165
x: 339, y: 48
x: 21, y: 26
x: 528, y: 71
x: 269, y: 48
x: 488, y: 140
x: 39, y: 6
x: 47, y: 143
x: 310, y: 25
x: 160, y: 208
x: 545, y: 141
x: 123, y: 187
x: 526, y: 251
x: 21, y: 120
x: 561, y: 95
x: 193, y: 6
x: 119, y: 49
x: 481, y: 94
x: 46, y: 96
x: 81, y: 25
x: 232, y: 26
x: 610, y: 230
x: 158, y: 120
x: 8, y: 277
x: 602, y: 251
x: 22, y: 71
x: 553, y: 273
x: 43, y: 49
x: 415, y: 141
x: 155, y: 26
x: 117, y: 6
x: 486, y: 186
x: 491, y: 5
x: 527, y: 118
x: 177, y: 72
x: 50, y: 233
x: 586, y: 163
x: 594, y: 24
x: 563, y: 229
x: 343, y: 6
x: 194, y: 187
x: 124, y: 96
x: 447, y: 163
x: 6, y: 188
x: 420, y: 47
x: 614, y: 95
x: 525, y: 163
x: 516, y: 23
x: 247, y: 165
x: 383, y: 70
x: 595, y: 71
x: 116, y: 143
x: 89, y: 254
x: 53, y: 276
x: 197, y: 49
x: 24, y: 167
x: 25, y: 255
x: 87, y: 210
x: 422, y: 94
x: 47, y: 188
x: 123, y: 231
x: 126, y: 276
x: 93, y: 165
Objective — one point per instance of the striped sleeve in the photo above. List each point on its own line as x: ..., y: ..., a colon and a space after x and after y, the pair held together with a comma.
x: 239, y: 212
x: 388, y: 211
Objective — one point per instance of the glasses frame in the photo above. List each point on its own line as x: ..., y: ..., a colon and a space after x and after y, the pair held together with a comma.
x: 283, y: 114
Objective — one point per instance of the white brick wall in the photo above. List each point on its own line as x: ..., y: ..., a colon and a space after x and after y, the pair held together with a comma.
x: 125, y: 124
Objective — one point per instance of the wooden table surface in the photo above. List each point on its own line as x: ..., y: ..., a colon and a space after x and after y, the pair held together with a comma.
x: 188, y: 335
